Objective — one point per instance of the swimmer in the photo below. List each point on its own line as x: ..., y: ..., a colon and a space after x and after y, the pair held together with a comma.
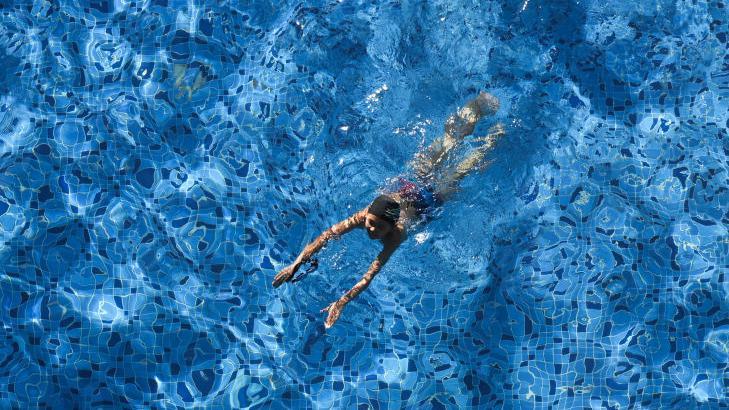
x: 406, y: 201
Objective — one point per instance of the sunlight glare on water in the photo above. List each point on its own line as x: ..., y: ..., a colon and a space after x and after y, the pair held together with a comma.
x: 162, y: 160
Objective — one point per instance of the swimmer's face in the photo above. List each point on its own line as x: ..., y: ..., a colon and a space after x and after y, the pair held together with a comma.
x: 377, y: 228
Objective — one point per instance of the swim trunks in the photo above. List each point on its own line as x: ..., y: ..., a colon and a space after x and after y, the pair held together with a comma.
x: 421, y: 195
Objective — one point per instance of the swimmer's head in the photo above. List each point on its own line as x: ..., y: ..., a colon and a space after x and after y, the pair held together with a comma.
x: 382, y: 214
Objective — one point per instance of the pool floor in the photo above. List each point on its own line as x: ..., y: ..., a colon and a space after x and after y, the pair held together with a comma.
x: 161, y: 161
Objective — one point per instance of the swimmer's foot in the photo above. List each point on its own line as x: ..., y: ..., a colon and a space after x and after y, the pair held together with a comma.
x: 495, y: 132
x: 474, y: 161
x: 462, y: 123
x: 487, y: 103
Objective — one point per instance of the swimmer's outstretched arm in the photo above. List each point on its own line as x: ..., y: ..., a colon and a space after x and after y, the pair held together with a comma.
x: 335, y: 308
x: 340, y: 228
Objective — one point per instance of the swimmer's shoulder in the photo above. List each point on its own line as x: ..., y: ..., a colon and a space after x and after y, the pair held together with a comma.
x: 398, y: 236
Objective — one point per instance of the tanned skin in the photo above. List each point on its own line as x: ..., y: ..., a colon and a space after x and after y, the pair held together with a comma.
x: 377, y: 228
x: 424, y: 164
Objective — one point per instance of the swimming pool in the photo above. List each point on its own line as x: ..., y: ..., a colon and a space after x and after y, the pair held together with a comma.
x: 162, y: 160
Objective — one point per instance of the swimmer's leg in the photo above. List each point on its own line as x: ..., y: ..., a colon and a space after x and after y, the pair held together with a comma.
x: 464, y: 121
x: 457, y: 127
x: 449, y: 184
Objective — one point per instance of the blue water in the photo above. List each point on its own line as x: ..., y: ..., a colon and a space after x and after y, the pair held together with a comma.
x: 160, y: 161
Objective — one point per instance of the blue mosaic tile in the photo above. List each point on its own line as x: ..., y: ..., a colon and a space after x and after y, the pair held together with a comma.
x: 162, y: 160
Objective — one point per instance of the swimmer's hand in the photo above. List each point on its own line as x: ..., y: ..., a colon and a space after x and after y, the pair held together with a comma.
x: 286, y: 274
x: 334, y: 309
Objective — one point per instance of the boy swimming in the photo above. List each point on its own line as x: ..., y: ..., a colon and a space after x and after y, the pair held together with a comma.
x: 406, y: 201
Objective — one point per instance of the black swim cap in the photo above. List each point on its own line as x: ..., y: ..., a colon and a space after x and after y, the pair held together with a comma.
x: 386, y: 208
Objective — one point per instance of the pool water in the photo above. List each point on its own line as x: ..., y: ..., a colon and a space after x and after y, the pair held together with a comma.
x: 161, y: 161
